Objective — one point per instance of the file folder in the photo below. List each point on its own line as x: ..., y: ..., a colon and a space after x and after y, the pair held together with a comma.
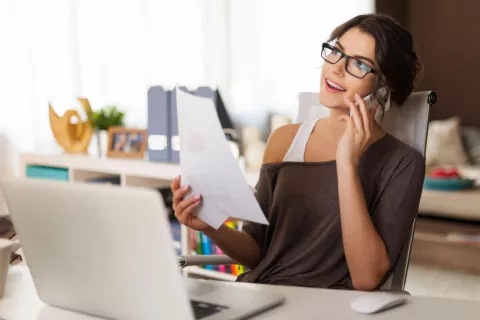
x: 158, y: 123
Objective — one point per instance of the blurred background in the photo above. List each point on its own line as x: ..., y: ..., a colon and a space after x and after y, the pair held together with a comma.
x: 258, y: 54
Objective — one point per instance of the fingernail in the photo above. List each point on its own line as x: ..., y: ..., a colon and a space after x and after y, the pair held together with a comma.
x: 357, y: 95
x: 185, y: 188
x: 197, y: 197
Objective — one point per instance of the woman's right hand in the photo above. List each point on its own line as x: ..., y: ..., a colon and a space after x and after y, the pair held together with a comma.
x: 184, y: 209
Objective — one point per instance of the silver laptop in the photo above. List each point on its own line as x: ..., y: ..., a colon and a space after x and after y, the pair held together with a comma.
x: 108, y: 251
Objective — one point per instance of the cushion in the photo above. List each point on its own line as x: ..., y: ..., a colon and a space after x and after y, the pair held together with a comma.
x: 444, y: 143
x: 471, y: 141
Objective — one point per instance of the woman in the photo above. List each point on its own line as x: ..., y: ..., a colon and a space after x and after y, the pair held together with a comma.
x: 340, y: 194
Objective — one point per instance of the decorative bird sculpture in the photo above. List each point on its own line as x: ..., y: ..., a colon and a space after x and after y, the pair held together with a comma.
x: 72, y: 137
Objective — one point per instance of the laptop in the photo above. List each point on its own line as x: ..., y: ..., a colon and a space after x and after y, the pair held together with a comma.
x: 107, y: 251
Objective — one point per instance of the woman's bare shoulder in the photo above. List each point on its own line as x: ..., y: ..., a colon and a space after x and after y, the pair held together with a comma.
x: 279, y: 142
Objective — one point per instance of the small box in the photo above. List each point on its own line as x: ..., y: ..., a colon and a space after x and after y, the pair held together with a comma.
x: 45, y: 172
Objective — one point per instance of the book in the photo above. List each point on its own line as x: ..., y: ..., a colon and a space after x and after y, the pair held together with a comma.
x: 198, y: 238
x: 222, y: 267
x: 202, y: 245
x: 207, y: 248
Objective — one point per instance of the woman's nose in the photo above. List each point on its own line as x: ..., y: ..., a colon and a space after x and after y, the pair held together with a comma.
x: 339, y: 67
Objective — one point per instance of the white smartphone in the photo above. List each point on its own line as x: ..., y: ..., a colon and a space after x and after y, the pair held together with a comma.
x: 370, y: 101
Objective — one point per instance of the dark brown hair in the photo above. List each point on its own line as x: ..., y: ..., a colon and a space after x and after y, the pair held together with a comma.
x: 394, y: 51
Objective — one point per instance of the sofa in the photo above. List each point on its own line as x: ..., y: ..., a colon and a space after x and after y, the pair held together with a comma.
x: 452, y: 145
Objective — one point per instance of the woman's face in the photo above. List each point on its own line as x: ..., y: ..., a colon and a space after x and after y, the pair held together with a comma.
x: 354, y: 43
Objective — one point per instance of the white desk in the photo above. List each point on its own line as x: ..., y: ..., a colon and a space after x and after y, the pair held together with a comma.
x: 21, y: 303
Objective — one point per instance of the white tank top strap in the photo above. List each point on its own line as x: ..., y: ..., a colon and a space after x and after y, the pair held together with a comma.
x: 296, y: 152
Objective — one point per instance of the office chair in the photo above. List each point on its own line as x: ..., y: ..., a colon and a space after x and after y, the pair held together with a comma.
x: 408, y: 123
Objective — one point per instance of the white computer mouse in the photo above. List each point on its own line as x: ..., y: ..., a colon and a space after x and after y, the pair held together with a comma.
x: 377, y: 301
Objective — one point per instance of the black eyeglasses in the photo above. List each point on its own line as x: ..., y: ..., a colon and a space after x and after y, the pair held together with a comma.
x: 354, y: 66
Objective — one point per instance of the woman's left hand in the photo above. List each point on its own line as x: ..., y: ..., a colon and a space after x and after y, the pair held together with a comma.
x: 358, y: 134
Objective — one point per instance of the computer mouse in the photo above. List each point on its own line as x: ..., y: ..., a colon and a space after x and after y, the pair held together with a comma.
x: 377, y: 301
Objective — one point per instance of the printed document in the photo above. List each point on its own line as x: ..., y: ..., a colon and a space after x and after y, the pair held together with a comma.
x: 208, y: 166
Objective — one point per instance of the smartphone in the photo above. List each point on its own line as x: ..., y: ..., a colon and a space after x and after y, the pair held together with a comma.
x: 370, y: 101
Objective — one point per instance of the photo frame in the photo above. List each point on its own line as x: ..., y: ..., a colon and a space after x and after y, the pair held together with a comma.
x: 126, y: 143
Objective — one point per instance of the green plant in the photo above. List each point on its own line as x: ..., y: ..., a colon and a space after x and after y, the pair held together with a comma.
x: 106, y: 117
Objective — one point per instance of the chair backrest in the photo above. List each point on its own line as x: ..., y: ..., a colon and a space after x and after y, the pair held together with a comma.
x: 409, y: 124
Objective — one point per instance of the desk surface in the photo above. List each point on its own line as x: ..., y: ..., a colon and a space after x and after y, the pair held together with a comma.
x: 21, y: 303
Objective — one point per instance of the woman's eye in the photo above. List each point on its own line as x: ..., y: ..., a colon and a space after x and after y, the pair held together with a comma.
x: 359, y: 64
x: 335, y: 51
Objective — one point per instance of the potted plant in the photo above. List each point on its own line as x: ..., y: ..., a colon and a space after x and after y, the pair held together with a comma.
x: 102, y: 119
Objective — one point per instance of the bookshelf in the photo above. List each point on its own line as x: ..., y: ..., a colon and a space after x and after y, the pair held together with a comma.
x: 197, y: 243
x: 126, y: 173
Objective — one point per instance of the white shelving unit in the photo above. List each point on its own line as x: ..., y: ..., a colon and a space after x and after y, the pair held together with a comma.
x: 132, y: 173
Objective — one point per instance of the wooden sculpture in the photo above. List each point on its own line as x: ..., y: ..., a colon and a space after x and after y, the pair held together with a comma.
x: 73, y: 137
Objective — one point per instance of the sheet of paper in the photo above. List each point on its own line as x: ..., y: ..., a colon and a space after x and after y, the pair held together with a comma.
x: 208, y: 166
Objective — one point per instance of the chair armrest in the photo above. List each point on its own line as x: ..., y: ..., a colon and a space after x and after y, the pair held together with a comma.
x: 194, y: 260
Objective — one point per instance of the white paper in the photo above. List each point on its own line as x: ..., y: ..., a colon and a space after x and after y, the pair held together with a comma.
x: 207, y: 165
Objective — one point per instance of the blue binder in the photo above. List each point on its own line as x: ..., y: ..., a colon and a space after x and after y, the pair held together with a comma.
x: 173, y: 137
x: 158, y: 123
x: 163, y: 138
x: 205, y: 92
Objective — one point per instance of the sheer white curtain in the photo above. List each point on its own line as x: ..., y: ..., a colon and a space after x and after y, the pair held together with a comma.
x: 260, y: 53
x: 107, y: 51
x: 275, y: 50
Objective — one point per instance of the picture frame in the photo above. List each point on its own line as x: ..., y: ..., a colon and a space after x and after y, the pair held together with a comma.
x: 126, y: 142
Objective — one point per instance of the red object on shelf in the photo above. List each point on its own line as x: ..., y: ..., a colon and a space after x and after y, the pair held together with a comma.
x: 453, y: 173
x: 443, y: 173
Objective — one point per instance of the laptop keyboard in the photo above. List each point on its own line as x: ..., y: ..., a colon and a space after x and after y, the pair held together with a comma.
x: 204, y: 309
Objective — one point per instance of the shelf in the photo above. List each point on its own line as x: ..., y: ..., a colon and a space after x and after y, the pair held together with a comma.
x: 155, y: 183
x: 431, y: 245
x: 134, y: 167
x: 93, y: 176
x: 156, y: 173
x: 210, y: 274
